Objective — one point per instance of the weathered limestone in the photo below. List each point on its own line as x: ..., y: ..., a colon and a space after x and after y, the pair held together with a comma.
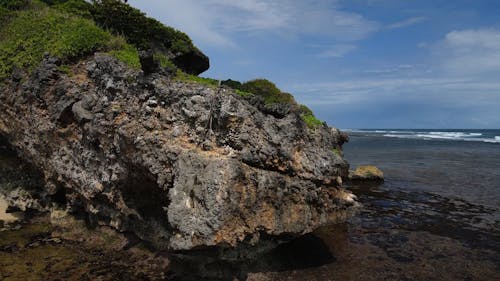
x: 181, y: 165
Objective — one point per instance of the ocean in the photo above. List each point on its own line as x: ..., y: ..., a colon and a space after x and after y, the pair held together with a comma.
x: 455, y: 164
x: 436, y: 216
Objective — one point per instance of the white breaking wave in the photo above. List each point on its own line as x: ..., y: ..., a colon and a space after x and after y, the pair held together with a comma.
x: 430, y: 135
x: 446, y: 136
x: 454, y: 134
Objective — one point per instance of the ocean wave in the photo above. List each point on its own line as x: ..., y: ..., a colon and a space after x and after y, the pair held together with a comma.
x: 455, y: 134
x: 446, y: 136
x: 431, y: 135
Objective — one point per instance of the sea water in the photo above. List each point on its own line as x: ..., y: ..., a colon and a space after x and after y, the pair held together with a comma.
x: 436, y: 216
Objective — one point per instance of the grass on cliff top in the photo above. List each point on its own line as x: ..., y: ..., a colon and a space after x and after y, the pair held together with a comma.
x: 308, y: 117
x: 272, y: 94
x: 27, y: 34
x: 184, y: 77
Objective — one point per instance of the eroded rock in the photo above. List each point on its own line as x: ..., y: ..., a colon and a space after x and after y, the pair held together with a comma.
x: 183, y: 166
x: 366, y: 174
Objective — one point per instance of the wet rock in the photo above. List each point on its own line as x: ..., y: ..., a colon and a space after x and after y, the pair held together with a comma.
x: 181, y: 165
x: 366, y: 174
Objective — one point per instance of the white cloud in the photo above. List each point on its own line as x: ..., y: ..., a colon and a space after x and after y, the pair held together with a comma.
x: 461, y: 69
x: 437, y: 90
x: 407, y: 22
x: 215, y: 22
x: 470, y: 52
x: 337, y: 51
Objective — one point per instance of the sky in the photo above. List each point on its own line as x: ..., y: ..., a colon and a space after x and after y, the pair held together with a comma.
x: 356, y: 63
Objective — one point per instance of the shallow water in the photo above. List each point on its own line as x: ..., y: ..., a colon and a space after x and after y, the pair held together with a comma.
x: 436, y: 217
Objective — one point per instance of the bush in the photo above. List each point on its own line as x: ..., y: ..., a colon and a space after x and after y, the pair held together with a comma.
x: 33, y: 32
x: 5, y: 16
x: 232, y: 84
x: 261, y: 87
x: 268, y: 91
x: 164, y: 61
x: 308, y: 117
x: 140, y: 30
x: 14, y: 4
x: 75, y: 7
x: 129, y: 55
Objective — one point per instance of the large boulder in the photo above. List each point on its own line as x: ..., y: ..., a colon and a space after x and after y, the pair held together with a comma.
x: 181, y: 165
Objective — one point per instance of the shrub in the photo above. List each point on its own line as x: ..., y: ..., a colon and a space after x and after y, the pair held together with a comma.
x: 140, y: 30
x: 75, y: 7
x: 14, y: 4
x: 308, y: 117
x: 5, y: 16
x: 164, y: 61
x: 232, y: 84
x: 268, y: 91
x: 66, y: 69
x: 261, y: 87
x: 33, y: 32
x: 127, y: 54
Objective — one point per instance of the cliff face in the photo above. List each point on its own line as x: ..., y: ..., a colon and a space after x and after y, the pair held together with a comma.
x: 181, y: 165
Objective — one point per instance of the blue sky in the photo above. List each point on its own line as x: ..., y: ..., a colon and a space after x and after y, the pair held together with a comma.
x: 357, y: 63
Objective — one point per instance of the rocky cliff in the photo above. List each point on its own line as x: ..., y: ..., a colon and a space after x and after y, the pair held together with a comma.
x: 181, y: 165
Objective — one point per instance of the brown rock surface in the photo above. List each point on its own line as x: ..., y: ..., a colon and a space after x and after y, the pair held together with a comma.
x: 181, y: 165
x: 366, y: 174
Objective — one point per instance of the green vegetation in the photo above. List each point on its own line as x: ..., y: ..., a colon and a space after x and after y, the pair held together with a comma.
x: 311, y: 121
x: 140, y: 30
x: 308, y: 117
x: 5, y: 15
x: 72, y: 29
x: 336, y: 151
x: 267, y: 90
x: 127, y: 54
x: 272, y: 94
x: 66, y: 69
x: 64, y: 30
x: 184, y: 77
x: 33, y: 32
x: 232, y: 84
x: 13, y: 4
x: 164, y: 61
x: 74, y: 7
x: 242, y: 93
